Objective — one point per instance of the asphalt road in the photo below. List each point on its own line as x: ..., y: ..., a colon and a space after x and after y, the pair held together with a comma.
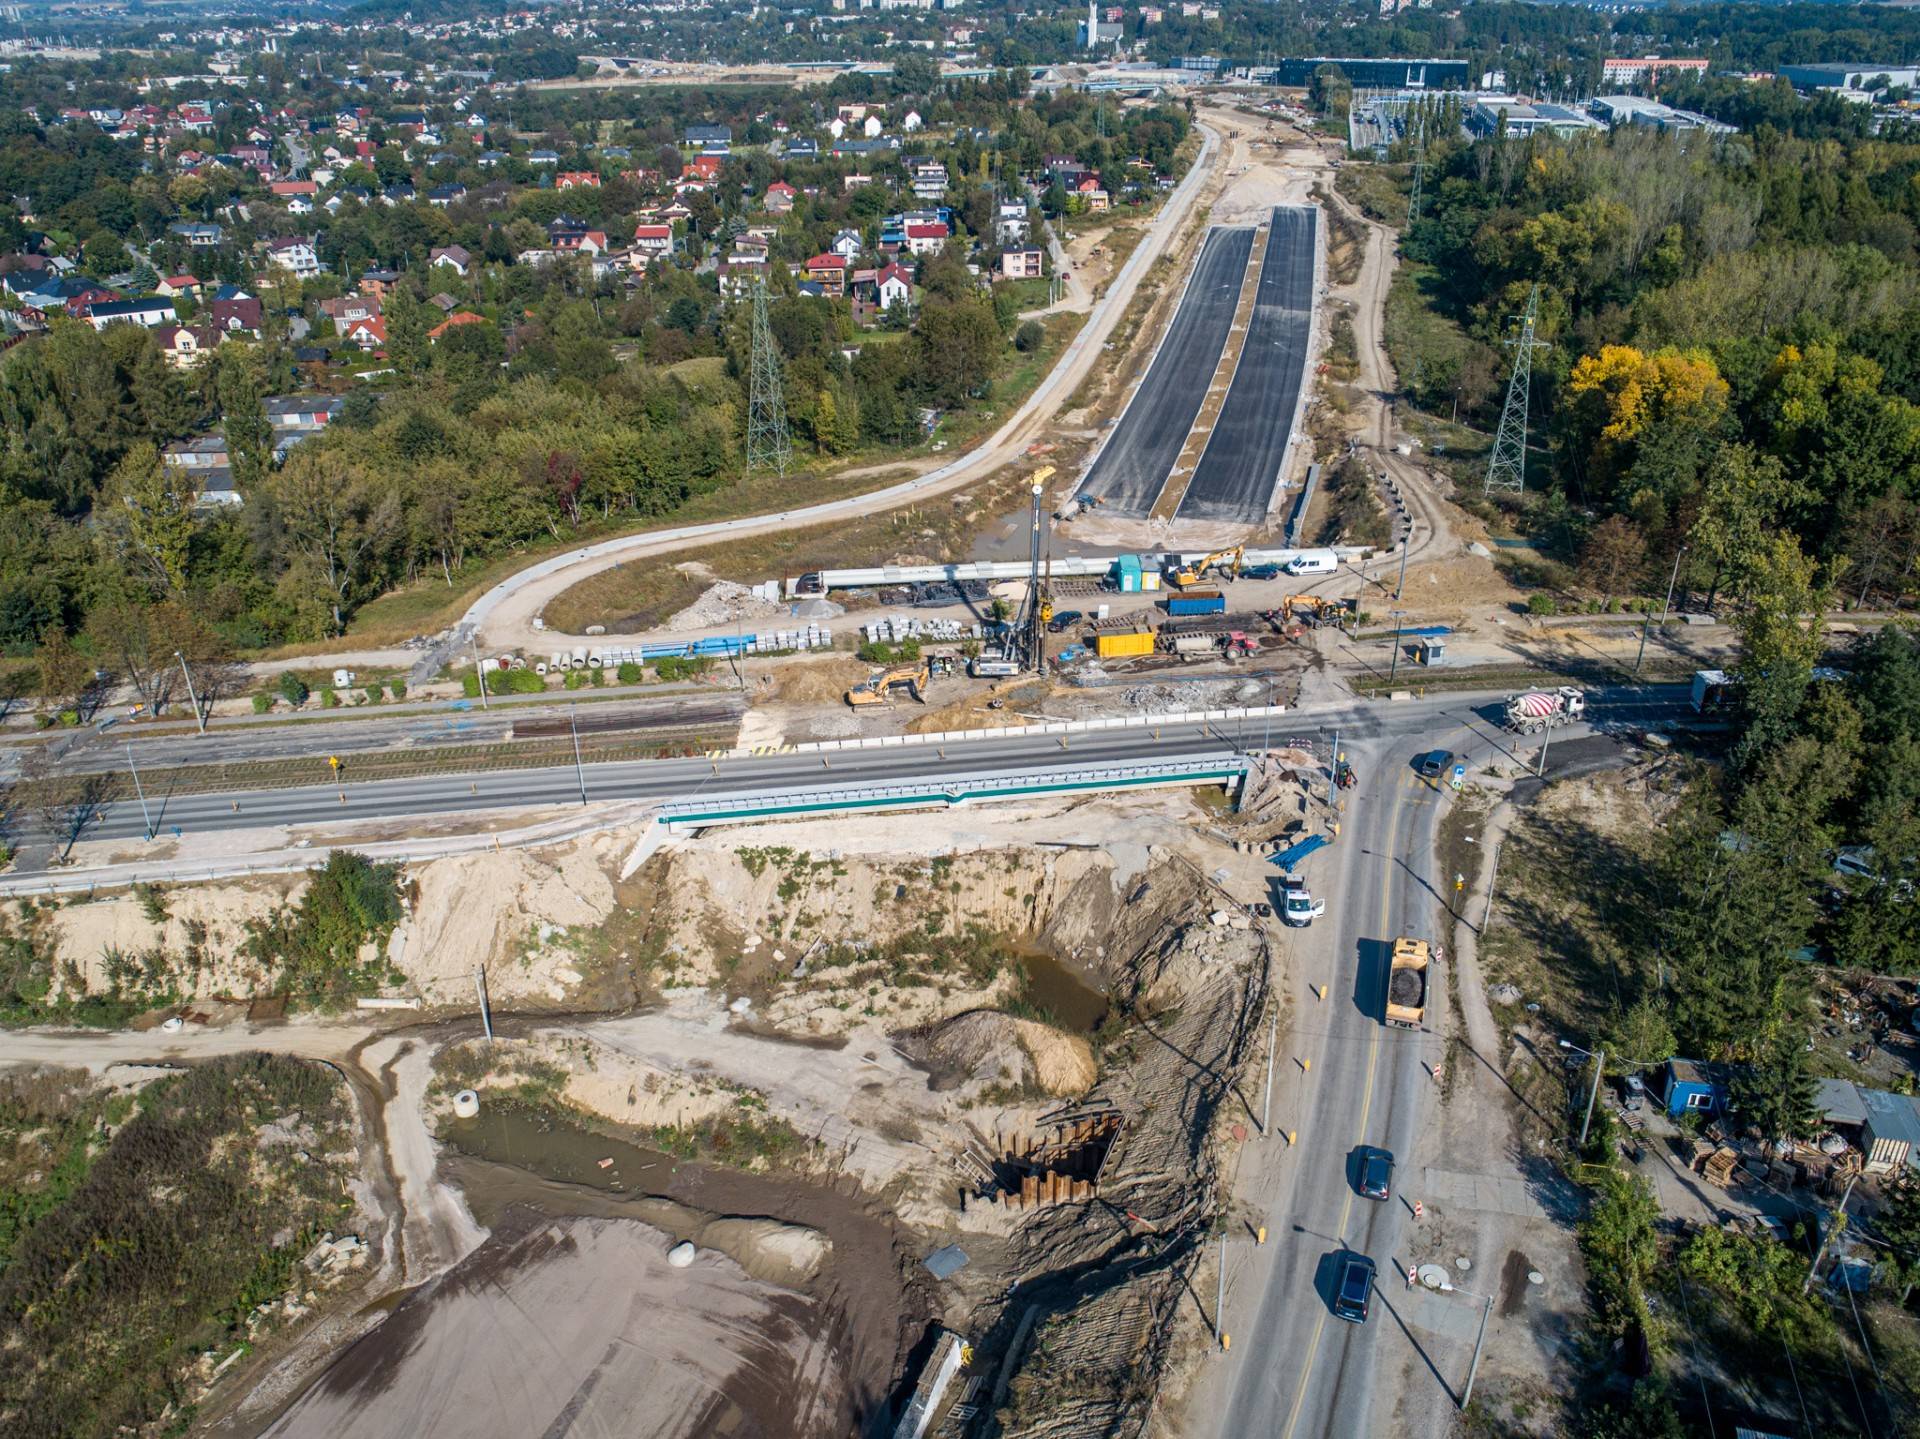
x: 1241, y: 463
x: 682, y: 779
x: 1132, y: 467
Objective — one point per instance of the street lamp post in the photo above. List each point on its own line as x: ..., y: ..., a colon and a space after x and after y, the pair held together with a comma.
x: 1399, y: 618
x: 199, y: 718
x: 145, y: 813
x: 579, y: 770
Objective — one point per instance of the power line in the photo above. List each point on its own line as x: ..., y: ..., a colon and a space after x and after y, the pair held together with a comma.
x: 767, y: 444
x: 1507, y: 465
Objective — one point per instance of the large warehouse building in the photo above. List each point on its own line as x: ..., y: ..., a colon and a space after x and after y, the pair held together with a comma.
x: 1378, y: 74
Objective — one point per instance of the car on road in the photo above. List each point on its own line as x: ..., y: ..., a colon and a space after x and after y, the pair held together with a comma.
x: 1376, y: 1173
x: 1354, y: 1294
x: 1300, y: 907
x: 1063, y: 620
x: 1433, y: 763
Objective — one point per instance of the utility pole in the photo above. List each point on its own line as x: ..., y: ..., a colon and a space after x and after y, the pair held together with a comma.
x: 1507, y: 465
x: 768, y: 447
x: 1220, y: 1295
x: 1266, y: 1105
x: 480, y: 988
x: 1473, y: 1370
x: 1546, y: 738
x: 144, y: 813
x: 579, y: 771
x: 1665, y: 605
x: 1333, y: 768
x: 1492, y: 881
x: 187, y: 674
x: 1406, y: 543
x: 480, y: 669
x: 1399, y: 617
x: 1599, y: 1068
x: 1833, y: 1227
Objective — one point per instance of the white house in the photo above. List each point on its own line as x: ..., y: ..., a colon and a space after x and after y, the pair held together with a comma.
x: 295, y: 256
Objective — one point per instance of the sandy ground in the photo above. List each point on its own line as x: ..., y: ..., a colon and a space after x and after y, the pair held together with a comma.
x: 556, y: 1329
x: 439, y: 1230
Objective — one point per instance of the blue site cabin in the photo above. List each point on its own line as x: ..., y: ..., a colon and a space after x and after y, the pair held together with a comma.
x: 1690, y: 1087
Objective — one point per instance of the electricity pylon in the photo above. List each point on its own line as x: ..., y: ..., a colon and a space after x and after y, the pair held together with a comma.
x: 1507, y: 465
x: 767, y: 444
x: 1419, y: 169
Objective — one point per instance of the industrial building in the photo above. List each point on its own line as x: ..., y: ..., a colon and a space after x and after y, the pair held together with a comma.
x: 1860, y: 79
x: 1378, y: 74
x: 1524, y: 119
x: 1615, y: 110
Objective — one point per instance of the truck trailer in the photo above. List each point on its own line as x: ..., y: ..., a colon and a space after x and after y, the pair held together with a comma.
x: 1197, y: 602
x: 1539, y: 710
x: 1407, y: 983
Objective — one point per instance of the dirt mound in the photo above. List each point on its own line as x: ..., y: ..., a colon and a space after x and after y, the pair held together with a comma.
x: 725, y: 603
x: 784, y: 1254
x: 815, y: 681
x: 989, y: 1047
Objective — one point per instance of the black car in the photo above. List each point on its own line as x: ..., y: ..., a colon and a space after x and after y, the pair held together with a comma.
x: 1376, y: 1173
x: 1062, y: 620
x: 1433, y: 763
x: 1354, y: 1296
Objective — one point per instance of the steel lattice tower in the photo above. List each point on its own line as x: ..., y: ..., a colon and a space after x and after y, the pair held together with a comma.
x: 1507, y: 465
x: 767, y: 444
x: 1419, y: 169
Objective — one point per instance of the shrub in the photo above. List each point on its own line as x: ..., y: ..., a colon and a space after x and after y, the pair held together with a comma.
x: 629, y: 673
x: 293, y: 689
x: 598, y: 677
x: 317, y: 943
x: 1539, y: 604
x: 262, y: 702
x: 397, y: 688
x: 329, y: 700
x: 576, y: 679
x: 674, y: 667
x: 374, y: 693
x: 1029, y: 337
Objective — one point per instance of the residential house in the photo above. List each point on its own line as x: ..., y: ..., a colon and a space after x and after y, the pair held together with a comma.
x: 738, y: 280
x: 801, y: 150
x: 1089, y: 192
x: 923, y: 238
x: 1010, y: 223
x: 1687, y: 1086
x: 302, y: 414
x: 892, y: 286
x: 379, y: 283
x: 179, y: 285
x: 855, y: 181
x: 186, y: 345
x: 348, y: 309
x: 780, y: 198
x: 206, y: 459
x: 581, y: 242
x: 544, y: 157
x: 287, y: 189
x: 577, y: 180
x: 198, y: 235
x: 1028, y: 262
x: 454, y: 322
x: 652, y: 242
x: 294, y: 255
x: 232, y: 309
x: 451, y: 257
x: 705, y: 168
x: 368, y: 334
x: 829, y: 271
x: 706, y: 137
x: 400, y: 193
x: 443, y: 302
x: 928, y: 179
x: 846, y: 243
x: 299, y: 205
x: 441, y: 196
x: 151, y: 311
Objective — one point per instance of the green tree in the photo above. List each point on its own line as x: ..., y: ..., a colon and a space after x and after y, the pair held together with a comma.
x: 1776, y: 1092
x: 156, y: 502
x: 407, y: 327
x: 243, y: 418
x: 1781, y: 597
x: 1899, y: 1226
x: 1622, y: 1250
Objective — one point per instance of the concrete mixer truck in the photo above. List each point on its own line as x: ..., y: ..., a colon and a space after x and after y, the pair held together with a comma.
x: 1538, y: 710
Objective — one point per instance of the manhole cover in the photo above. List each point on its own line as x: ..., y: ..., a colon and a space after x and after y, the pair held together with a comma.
x: 1534, y: 1276
x: 1435, y: 1276
x: 1463, y: 1264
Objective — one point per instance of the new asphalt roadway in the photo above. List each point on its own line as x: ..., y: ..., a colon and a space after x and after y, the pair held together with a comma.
x: 1133, y: 465
x: 1241, y: 463
x: 456, y: 792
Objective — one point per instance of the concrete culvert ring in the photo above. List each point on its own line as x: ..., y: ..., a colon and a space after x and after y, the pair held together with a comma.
x: 466, y: 1104
x: 681, y: 1256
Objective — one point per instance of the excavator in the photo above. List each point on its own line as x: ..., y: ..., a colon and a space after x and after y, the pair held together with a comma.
x: 1195, y: 574
x: 880, y: 685
x: 1318, y: 608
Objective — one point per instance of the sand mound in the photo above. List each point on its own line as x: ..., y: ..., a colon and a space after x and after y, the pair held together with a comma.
x: 775, y: 1253
x: 817, y: 681
x: 988, y: 1047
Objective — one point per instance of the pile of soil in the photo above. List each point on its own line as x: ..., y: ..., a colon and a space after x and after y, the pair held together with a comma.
x: 725, y: 603
x: 988, y: 1047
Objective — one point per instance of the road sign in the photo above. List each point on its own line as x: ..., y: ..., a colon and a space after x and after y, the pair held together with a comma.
x: 1459, y: 776
x: 333, y: 760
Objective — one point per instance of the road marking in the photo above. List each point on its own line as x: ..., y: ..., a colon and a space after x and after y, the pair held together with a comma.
x: 1366, y: 1108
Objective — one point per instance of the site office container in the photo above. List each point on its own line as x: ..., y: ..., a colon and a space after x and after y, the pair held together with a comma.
x: 1127, y: 571
x: 1137, y: 642
x: 1197, y: 602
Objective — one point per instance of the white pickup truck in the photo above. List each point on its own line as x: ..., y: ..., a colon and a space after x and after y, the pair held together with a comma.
x: 1299, y: 908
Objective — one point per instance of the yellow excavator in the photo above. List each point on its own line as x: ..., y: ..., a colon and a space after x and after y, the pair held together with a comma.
x: 880, y: 685
x: 1196, y: 574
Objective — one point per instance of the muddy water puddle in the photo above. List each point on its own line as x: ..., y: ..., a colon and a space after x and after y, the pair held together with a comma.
x: 554, y: 1149
x: 1060, y: 993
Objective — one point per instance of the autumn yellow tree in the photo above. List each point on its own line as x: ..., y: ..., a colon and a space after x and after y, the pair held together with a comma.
x: 1635, y: 411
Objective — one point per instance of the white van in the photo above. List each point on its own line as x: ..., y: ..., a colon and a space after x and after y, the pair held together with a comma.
x: 1313, y: 562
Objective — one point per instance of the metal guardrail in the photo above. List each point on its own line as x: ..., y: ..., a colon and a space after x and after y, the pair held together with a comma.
x: 951, y: 790
x: 1300, y: 505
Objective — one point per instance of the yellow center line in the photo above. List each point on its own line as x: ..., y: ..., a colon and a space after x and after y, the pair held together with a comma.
x: 1366, y: 1107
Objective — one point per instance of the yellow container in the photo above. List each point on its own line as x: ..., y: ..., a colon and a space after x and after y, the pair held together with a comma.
x: 1138, y: 642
